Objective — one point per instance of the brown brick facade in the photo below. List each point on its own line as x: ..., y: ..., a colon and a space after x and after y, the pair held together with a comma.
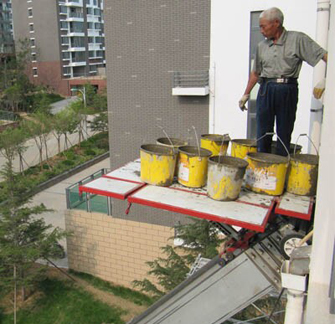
x: 113, y: 249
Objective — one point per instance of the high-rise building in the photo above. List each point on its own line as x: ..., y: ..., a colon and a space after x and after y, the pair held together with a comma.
x: 66, y: 41
x: 6, y: 28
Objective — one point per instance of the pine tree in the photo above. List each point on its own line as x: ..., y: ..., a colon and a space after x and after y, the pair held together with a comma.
x: 24, y: 238
x: 198, y: 237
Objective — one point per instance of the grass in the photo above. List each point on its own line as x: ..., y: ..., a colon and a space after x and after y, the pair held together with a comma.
x: 125, y: 293
x: 64, y: 303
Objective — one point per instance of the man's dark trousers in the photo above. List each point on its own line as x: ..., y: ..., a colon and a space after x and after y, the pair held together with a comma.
x: 276, y: 101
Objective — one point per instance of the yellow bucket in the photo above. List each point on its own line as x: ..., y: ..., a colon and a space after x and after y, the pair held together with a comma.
x: 241, y: 147
x: 217, y: 144
x: 303, y: 174
x: 266, y: 173
x: 225, y: 176
x: 174, y: 143
x: 297, y: 148
x: 157, y: 164
x: 193, y: 163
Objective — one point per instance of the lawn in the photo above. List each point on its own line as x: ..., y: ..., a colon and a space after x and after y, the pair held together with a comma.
x: 63, y: 302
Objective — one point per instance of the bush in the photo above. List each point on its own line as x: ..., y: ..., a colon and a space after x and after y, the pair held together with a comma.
x: 89, y: 152
x: 68, y: 162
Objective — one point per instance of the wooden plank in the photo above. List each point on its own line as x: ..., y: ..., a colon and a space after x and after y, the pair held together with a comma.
x: 295, y: 206
x: 237, y: 213
x: 111, y: 187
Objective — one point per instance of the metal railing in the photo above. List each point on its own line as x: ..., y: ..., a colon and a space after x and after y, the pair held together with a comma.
x: 87, y: 202
x: 190, y: 79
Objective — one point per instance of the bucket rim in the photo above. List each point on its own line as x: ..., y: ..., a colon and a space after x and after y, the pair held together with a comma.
x: 229, y: 161
x: 157, y: 149
x: 268, y: 158
x: 191, y: 150
x: 217, y: 138
x: 175, y: 141
x: 245, y: 142
x: 312, y: 159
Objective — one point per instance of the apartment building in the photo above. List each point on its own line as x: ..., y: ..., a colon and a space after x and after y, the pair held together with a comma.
x: 6, y: 28
x: 66, y: 39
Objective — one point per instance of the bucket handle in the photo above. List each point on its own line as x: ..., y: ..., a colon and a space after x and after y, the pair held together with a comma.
x: 197, y: 141
x: 173, y: 148
x: 301, y: 135
x: 273, y: 133
x: 224, y: 137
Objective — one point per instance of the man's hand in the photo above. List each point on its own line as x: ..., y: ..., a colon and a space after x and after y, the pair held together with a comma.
x: 243, y: 101
x: 319, y: 89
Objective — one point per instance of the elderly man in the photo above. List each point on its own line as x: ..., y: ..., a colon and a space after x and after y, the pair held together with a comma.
x: 277, y: 65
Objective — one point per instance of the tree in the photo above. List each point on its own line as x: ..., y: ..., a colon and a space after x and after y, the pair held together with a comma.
x: 23, y: 238
x: 200, y: 236
x: 100, y: 123
x: 79, y: 116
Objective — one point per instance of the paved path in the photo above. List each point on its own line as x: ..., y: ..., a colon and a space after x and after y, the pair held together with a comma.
x: 55, y: 199
x: 60, y: 105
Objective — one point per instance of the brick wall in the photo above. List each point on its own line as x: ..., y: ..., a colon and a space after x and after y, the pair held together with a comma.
x: 113, y: 249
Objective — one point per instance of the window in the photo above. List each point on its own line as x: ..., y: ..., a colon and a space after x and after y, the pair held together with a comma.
x: 91, y: 40
x: 31, y: 28
x: 33, y: 57
x: 77, y: 42
x: 65, y: 40
x: 66, y: 55
x: 96, y: 12
x: 63, y: 25
x: 35, y: 74
x: 76, y: 27
x: 32, y: 42
x: 89, y: 11
x: 90, y: 25
x: 97, y: 26
x: 30, y: 12
x: 63, y: 9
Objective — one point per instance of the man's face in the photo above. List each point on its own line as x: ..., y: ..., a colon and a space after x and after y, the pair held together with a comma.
x: 268, y: 28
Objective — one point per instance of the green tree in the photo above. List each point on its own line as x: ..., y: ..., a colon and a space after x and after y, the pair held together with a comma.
x: 200, y: 236
x: 100, y: 122
x: 24, y: 238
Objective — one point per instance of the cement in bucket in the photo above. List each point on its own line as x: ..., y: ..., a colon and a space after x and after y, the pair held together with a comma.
x: 266, y: 173
x: 157, y: 164
x: 303, y: 174
x: 225, y: 176
x: 193, y: 164
x: 241, y: 147
x: 174, y: 143
x: 217, y: 144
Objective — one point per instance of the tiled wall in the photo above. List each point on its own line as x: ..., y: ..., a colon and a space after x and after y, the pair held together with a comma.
x: 113, y: 249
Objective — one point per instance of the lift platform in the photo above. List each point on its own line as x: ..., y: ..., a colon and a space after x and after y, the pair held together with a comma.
x: 253, y: 223
x: 251, y: 211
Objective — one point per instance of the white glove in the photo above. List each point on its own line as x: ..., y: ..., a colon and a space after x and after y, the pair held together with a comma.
x: 243, y: 101
x: 319, y: 89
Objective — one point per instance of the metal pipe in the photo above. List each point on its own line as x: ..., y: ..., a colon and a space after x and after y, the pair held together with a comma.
x: 319, y: 73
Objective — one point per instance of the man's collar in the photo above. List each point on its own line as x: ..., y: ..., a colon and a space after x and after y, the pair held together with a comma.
x: 281, y: 39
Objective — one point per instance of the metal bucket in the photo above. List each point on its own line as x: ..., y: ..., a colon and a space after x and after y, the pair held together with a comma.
x: 241, y: 147
x: 174, y: 143
x: 157, y: 164
x: 217, y: 144
x: 266, y: 173
x: 225, y: 176
x: 297, y: 148
x: 193, y: 163
x: 303, y: 174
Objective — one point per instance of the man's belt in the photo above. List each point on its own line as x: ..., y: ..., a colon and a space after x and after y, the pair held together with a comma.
x: 279, y: 80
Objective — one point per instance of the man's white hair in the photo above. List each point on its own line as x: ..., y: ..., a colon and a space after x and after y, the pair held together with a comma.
x: 272, y: 14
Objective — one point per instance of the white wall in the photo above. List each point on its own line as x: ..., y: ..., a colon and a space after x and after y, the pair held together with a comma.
x: 230, y: 30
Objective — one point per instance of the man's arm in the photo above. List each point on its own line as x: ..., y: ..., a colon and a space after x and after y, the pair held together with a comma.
x: 325, y: 57
x: 320, y: 86
x: 253, y: 78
